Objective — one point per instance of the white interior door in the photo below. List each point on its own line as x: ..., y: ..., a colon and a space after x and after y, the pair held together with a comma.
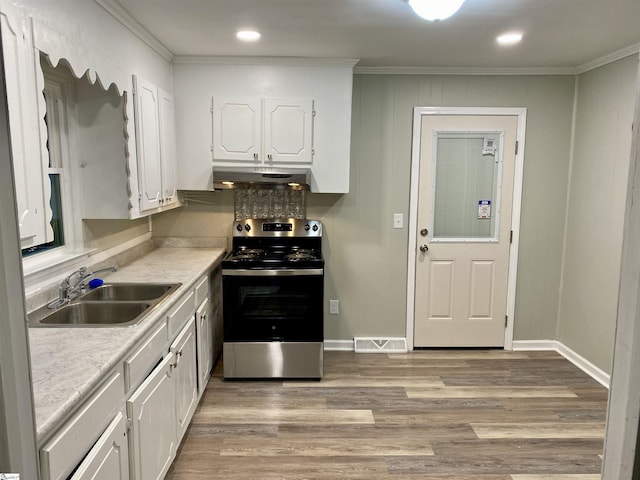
x: 463, y: 233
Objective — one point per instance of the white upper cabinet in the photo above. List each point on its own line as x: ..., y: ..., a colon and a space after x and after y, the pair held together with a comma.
x: 270, y: 130
x: 24, y: 83
x: 237, y: 129
x: 264, y: 114
x: 288, y: 130
x: 168, y: 156
x: 155, y: 144
x: 148, y: 143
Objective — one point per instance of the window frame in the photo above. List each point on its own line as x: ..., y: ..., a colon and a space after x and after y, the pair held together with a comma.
x: 59, y: 104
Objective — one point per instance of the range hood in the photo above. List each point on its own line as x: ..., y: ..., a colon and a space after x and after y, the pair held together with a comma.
x: 261, y: 177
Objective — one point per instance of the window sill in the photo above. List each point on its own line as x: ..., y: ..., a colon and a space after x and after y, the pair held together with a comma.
x: 43, y: 268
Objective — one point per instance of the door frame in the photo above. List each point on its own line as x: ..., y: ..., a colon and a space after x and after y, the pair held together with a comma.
x: 418, y: 114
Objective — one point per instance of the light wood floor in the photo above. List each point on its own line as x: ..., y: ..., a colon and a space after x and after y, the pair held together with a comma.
x: 443, y: 414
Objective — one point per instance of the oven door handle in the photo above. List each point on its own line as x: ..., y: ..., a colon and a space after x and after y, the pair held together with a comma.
x: 288, y: 272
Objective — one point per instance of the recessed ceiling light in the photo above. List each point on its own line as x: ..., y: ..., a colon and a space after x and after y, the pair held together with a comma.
x: 248, y: 35
x: 509, y: 38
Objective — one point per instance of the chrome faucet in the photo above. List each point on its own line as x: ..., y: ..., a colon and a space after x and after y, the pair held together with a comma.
x: 67, y: 292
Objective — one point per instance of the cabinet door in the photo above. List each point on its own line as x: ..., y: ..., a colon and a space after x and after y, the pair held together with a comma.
x: 151, y: 410
x: 216, y: 312
x: 185, y: 376
x: 21, y: 65
x: 288, y: 130
x: 205, y: 343
x: 168, y: 148
x: 109, y: 457
x: 148, y: 143
x: 237, y: 129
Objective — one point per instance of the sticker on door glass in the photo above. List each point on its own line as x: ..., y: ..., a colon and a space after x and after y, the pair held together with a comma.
x: 489, y: 146
x: 484, y: 209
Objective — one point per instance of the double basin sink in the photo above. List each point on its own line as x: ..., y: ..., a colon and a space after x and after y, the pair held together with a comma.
x: 110, y: 305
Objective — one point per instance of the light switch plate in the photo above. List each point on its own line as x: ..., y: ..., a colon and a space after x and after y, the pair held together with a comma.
x: 334, y: 307
x: 398, y: 220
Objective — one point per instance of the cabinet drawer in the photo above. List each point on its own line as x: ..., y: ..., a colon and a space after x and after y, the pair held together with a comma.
x: 63, y: 452
x: 202, y: 290
x: 179, y: 315
x: 138, y: 365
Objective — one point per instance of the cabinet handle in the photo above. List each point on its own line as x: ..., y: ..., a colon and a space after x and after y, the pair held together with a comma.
x: 255, y: 156
x: 203, y: 316
x: 270, y: 157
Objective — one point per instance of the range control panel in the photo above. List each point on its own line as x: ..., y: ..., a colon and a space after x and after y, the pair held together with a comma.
x: 291, y: 227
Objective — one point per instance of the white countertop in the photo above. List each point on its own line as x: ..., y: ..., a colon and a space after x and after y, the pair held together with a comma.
x: 68, y: 363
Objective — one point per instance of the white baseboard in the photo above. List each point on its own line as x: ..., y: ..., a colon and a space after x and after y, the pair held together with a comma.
x: 599, y: 375
x: 339, y: 345
x: 532, y: 345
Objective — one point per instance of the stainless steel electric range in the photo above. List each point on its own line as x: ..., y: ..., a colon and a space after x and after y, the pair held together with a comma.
x: 273, y: 291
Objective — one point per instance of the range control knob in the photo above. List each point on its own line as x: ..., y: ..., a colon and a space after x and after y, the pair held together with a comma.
x: 239, y: 227
x: 306, y: 227
x: 247, y: 227
x: 315, y: 227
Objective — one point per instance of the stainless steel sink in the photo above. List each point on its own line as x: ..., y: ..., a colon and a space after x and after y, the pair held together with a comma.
x: 110, y: 305
x: 96, y: 314
x: 129, y: 292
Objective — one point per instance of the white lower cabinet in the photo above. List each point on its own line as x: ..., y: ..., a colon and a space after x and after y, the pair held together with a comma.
x: 185, y: 377
x: 131, y: 426
x: 205, y: 343
x: 69, y: 446
x: 151, y: 410
x: 109, y: 457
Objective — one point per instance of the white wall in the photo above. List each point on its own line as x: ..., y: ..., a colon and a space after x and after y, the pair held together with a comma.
x: 595, y: 212
x: 91, y: 32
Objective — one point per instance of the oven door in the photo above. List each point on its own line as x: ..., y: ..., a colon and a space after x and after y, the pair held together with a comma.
x: 283, y: 305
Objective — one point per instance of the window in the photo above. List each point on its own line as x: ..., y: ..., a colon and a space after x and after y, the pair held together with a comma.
x: 56, y: 121
x: 59, y: 97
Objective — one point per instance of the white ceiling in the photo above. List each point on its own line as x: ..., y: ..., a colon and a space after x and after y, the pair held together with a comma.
x: 386, y: 33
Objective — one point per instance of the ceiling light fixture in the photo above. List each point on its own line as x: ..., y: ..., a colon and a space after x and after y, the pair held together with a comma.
x: 435, y: 9
x: 248, y: 35
x: 509, y: 38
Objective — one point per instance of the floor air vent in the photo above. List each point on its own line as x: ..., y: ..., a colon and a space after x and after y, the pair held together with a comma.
x: 380, y: 345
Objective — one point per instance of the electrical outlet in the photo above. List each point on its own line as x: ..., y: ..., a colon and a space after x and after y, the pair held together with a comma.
x: 398, y: 220
x: 334, y: 307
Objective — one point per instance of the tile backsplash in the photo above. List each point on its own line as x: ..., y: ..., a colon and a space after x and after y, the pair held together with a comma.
x: 266, y: 203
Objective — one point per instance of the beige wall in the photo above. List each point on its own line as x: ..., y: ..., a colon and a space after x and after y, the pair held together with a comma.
x: 366, y: 259
x: 205, y: 214
x: 104, y: 234
x: 595, y: 212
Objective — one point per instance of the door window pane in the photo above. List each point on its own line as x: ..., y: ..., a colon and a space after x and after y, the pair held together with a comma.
x: 466, y: 186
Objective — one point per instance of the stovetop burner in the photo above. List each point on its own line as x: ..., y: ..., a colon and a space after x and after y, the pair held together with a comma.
x: 250, y: 251
x: 297, y: 256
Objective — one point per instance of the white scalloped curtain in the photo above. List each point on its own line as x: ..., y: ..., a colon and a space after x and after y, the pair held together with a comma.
x: 435, y: 9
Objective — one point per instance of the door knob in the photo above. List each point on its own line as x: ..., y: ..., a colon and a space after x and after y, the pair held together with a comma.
x: 424, y: 248
x: 424, y: 232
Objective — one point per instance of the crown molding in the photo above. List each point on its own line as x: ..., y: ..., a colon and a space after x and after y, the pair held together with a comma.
x: 121, y: 15
x: 234, y: 60
x: 464, y: 71
x: 610, y: 58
